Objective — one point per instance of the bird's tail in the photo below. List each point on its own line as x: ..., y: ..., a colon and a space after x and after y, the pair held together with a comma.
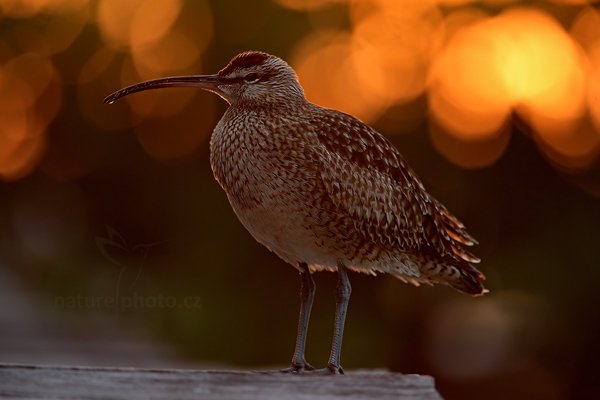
x: 469, y: 280
x: 447, y: 260
x: 465, y: 277
x: 458, y: 274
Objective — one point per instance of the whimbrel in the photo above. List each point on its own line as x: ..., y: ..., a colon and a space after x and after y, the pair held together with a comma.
x: 323, y: 190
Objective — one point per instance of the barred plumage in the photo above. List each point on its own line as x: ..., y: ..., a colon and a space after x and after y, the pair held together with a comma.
x: 323, y: 190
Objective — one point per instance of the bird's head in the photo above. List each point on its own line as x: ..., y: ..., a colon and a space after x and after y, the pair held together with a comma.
x: 250, y: 78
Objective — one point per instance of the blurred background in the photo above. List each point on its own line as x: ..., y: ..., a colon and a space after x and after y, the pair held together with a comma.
x: 118, y: 247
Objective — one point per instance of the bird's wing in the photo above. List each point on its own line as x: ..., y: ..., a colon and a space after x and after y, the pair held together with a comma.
x: 366, y: 176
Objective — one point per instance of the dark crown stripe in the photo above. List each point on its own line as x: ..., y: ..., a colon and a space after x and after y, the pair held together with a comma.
x: 244, y: 60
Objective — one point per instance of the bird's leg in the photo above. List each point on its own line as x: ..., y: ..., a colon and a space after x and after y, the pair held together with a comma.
x: 342, y: 296
x: 307, y: 295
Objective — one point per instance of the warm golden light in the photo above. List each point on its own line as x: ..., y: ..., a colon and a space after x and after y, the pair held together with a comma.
x: 135, y: 23
x: 593, y: 95
x: 176, y: 52
x: 307, y: 5
x: 326, y: 71
x: 467, y: 94
x: 150, y: 23
x: 456, y: 21
x: 393, y: 46
x: 96, y: 65
x: 475, y: 62
x: 477, y: 152
x: 574, y: 2
x: 540, y: 65
x: 576, y: 151
x: 586, y: 27
x: 28, y: 103
x: 64, y: 21
x: 30, y: 8
x: 382, y: 60
x: 521, y: 60
x: 22, y: 147
x: 586, y: 30
x: 477, y: 70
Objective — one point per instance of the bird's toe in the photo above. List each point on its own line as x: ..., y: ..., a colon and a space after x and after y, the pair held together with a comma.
x: 298, y: 368
x: 330, y: 370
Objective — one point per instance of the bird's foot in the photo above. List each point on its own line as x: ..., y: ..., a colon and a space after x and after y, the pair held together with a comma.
x: 330, y: 370
x: 298, y: 368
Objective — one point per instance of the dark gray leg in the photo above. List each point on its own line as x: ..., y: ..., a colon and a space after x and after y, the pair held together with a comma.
x: 342, y: 296
x: 307, y: 295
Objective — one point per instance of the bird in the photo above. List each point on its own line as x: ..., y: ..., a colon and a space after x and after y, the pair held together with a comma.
x: 324, y: 191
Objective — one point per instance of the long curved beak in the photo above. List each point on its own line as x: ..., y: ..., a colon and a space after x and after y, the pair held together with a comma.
x: 206, y: 82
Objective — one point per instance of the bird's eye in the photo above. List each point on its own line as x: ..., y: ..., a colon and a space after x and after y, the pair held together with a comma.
x: 251, y: 77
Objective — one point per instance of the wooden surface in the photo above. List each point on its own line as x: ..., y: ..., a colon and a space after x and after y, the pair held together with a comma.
x: 82, y: 383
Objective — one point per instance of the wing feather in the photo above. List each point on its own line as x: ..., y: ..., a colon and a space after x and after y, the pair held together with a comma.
x: 365, y: 175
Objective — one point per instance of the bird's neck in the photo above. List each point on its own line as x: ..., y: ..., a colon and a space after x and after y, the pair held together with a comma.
x: 277, y: 105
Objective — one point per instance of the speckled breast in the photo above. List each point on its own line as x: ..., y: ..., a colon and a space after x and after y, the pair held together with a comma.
x: 264, y: 166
